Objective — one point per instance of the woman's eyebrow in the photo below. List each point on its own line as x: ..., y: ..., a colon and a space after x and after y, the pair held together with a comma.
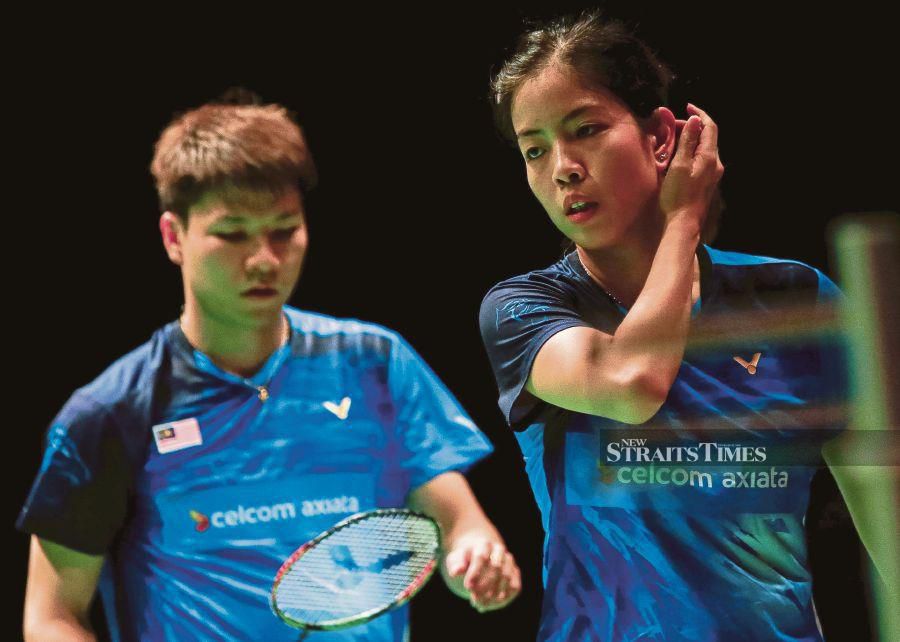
x: 575, y: 113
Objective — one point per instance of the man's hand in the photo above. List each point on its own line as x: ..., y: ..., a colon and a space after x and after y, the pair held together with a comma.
x: 480, y: 566
x: 476, y: 564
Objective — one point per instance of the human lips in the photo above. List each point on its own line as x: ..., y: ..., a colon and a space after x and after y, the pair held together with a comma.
x: 579, y: 208
x: 260, y: 292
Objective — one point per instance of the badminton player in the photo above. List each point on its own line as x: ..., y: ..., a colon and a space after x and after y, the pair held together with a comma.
x: 179, y: 480
x: 647, y: 543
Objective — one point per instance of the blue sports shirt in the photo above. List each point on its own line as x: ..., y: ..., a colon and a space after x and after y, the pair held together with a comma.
x: 197, y: 484
x: 689, y: 527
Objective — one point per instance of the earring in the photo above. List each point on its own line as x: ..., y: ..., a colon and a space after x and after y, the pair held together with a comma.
x: 662, y: 156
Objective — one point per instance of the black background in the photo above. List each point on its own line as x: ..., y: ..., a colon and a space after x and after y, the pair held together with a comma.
x: 420, y: 207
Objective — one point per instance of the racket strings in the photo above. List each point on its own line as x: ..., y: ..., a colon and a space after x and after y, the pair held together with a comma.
x: 363, y: 567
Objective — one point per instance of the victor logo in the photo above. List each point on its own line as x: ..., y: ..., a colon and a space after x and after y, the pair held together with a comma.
x: 340, y: 411
x: 752, y: 365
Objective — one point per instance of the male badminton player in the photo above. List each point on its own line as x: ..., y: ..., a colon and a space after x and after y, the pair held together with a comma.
x: 180, y: 479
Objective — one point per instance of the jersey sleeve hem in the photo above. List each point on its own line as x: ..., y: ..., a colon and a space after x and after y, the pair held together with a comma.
x: 58, y: 536
x: 462, y: 468
x: 511, y: 404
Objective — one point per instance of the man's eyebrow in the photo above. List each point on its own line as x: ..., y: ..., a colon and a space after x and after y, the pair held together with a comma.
x: 237, y: 218
x: 575, y: 113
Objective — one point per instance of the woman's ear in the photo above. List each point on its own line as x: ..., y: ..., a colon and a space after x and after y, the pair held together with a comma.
x: 662, y: 128
x: 172, y: 231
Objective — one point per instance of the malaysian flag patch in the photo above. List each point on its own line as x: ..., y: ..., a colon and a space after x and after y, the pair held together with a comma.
x: 177, y: 435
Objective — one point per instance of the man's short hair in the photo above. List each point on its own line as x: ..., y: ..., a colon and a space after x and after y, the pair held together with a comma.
x: 216, y: 146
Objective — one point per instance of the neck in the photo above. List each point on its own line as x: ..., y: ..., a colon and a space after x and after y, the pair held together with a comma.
x: 622, y: 271
x: 235, y: 348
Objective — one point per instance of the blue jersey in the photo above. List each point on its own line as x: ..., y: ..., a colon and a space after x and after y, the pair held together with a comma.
x: 689, y: 527
x: 197, y: 484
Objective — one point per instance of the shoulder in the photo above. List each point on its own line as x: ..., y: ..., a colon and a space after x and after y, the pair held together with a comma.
x: 559, y: 275
x: 116, y: 403
x: 317, y: 333
x: 555, y: 282
x: 360, y: 346
x: 740, y: 271
x: 128, y: 377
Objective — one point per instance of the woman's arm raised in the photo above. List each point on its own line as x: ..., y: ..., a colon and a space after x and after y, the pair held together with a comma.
x: 626, y: 376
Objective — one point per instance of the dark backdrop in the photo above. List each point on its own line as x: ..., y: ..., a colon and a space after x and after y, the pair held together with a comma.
x: 420, y: 208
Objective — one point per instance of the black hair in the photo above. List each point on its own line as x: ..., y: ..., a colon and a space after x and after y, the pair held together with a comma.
x: 602, y: 53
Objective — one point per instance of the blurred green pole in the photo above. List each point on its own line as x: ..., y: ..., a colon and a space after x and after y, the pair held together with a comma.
x: 867, y: 248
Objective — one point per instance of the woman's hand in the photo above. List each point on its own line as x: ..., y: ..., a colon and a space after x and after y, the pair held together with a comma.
x: 694, y: 172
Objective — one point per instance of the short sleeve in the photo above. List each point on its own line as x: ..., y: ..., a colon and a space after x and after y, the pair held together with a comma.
x: 828, y: 292
x: 79, y: 498
x: 435, y: 434
x: 517, y: 317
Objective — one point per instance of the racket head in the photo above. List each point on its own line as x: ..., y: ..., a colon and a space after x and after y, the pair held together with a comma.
x: 358, y: 569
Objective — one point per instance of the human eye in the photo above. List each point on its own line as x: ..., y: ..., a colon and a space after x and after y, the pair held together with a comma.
x: 531, y: 153
x: 235, y: 236
x: 284, y: 233
x: 586, y: 130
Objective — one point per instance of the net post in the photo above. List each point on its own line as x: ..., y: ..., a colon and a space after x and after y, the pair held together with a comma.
x: 867, y: 249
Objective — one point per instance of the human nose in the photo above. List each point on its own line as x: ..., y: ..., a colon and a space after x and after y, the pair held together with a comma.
x: 567, y: 168
x: 263, y: 259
